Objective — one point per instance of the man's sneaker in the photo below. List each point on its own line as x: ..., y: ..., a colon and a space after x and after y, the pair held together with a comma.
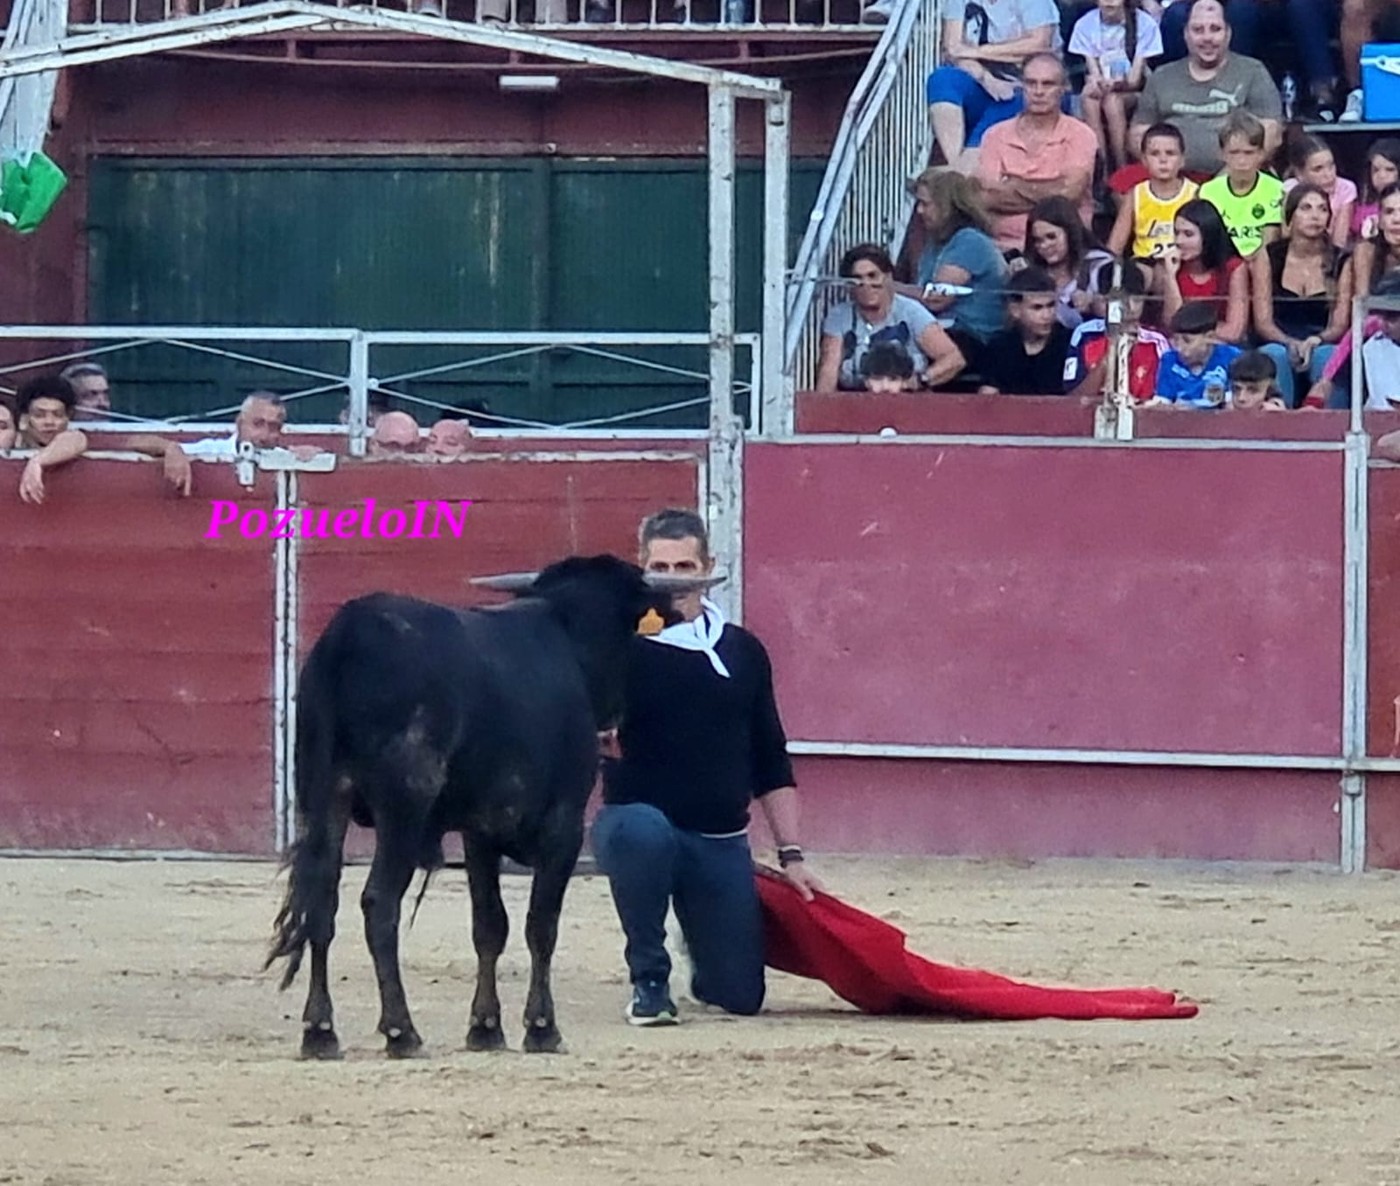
x: 1352, y: 113
x: 651, y: 1004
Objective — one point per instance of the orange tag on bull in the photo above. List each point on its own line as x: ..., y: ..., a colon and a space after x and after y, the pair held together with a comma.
x: 651, y: 623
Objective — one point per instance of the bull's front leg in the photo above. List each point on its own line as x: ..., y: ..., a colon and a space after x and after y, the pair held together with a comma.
x: 490, y: 926
x: 552, y: 873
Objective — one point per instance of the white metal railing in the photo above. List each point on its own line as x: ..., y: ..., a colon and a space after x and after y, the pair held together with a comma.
x: 363, y: 362
x: 26, y: 103
x: 884, y: 139
x: 802, y: 15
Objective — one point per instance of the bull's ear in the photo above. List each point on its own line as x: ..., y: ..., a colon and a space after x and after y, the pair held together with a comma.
x: 668, y: 582
x: 506, y: 582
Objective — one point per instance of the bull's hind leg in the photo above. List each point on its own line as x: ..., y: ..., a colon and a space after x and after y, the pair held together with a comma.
x: 382, y: 902
x: 490, y: 926
x: 552, y: 873
x: 318, y: 1039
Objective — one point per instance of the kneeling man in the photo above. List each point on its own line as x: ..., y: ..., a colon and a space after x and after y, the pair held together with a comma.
x: 700, y: 740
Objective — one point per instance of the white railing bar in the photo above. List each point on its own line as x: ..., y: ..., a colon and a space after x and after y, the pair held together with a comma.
x: 540, y: 338
x: 1225, y: 444
x: 1088, y: 757
x: 208, y: 333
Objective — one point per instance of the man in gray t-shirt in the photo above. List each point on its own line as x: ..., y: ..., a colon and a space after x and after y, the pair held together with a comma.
x: 903, y: 325
x: 1198, y: 93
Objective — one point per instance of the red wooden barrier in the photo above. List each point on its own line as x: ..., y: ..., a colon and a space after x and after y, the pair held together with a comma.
x: 1050, y: 597
x: 524, y: 514
x: 136, y: 672
x: 913, y: 413
x: 1046, y: 597
x: 1053, y: 597
x: 135, y: 666
x: 1032, y: 811
x: 995, y: 415
x: 1383, y: 617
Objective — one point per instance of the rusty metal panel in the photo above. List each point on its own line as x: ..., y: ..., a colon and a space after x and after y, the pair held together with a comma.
x: 136, y: 675
x: 1050, y: 597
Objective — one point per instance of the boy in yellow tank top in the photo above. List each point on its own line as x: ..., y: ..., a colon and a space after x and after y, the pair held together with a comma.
x: 1147, y: 217
x: 1250, y: 201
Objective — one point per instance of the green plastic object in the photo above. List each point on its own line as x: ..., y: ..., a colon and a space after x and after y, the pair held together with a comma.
x: 29, y: 186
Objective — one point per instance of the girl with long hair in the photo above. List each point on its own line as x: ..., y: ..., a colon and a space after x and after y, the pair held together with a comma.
x: 1380, y: 253
x: 1057, y: 241
x: 1302, y: 291
x: 1382, y: 171
x: 959, y: 250
x: 1311, y: 162
x: 1203, y: 265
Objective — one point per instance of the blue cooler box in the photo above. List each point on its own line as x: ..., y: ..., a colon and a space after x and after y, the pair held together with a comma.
x: 1380, y: 81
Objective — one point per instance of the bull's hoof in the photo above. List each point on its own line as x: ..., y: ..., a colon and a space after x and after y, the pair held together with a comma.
x: 319, y: 1042
x: 486, y: 1036
x: 543, y: 1037
x: 402, y: 1043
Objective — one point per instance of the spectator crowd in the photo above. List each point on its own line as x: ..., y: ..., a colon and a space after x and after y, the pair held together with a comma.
x: 1123, y: 145
x: 40, y: 420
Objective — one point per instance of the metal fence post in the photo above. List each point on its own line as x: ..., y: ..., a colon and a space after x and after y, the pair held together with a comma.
x: 359, y: 394
x: 725, y: 504
x: 284, y: 671
x: 777, y: 411
x: 1355, y: 593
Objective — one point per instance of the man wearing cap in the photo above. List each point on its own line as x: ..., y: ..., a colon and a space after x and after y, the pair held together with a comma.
x: 700, y: 739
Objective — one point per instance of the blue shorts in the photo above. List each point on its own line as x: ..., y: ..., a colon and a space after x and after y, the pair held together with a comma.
x: 952, y: 84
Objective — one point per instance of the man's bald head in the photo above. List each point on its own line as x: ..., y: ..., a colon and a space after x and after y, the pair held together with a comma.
x: 1207, y: 33
x: 395, y: 433
x: 448, y: 438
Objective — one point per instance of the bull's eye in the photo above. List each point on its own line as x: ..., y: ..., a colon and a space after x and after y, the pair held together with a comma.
x: 651, y: 623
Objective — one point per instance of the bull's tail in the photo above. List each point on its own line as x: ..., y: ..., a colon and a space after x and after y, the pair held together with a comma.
x: 307, y: 914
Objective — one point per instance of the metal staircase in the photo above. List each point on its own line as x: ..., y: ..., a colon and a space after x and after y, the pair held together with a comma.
x: 885, y: 138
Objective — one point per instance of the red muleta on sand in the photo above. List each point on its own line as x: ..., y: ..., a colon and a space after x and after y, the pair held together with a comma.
x: 864, y: 960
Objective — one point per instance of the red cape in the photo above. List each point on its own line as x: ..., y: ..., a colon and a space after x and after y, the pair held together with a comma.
x: 865, y: 962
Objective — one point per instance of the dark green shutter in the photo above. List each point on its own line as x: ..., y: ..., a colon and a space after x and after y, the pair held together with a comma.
x: 416, y: 244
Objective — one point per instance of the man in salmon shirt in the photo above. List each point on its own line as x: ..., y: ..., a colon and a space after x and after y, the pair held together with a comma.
x: 1041, y: 153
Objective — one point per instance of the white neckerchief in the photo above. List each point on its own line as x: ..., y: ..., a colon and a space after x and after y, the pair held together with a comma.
x: 699, y: 635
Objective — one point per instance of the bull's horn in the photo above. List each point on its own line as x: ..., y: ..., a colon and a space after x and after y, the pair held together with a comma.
x: 670, y: 582
x: 506, y: 582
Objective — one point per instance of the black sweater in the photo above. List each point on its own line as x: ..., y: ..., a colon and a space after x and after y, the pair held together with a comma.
x: 696, y: 745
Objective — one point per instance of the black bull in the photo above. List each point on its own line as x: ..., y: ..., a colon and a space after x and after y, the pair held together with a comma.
x: 418, y: 720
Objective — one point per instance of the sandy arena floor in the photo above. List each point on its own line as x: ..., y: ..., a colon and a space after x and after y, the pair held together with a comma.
x: 140, y: 1043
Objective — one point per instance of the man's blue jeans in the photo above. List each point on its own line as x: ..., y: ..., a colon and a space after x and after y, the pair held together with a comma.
x: 649, y: 862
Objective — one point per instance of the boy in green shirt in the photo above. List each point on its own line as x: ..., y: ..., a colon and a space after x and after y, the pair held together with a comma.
x: 1250, y: 201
